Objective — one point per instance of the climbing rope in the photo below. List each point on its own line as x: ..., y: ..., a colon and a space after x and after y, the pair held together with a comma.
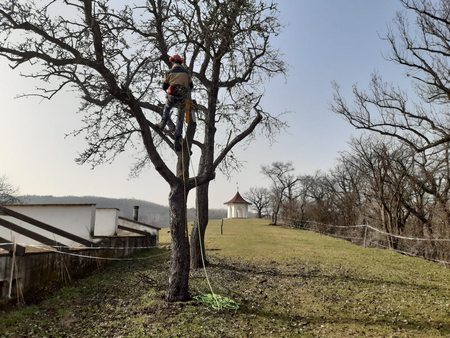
x: 186, y: 230
x: 217, y: 302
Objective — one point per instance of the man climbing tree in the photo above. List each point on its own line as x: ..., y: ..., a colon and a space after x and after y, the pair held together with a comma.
x: 114, y: 61
x: 178, y: 85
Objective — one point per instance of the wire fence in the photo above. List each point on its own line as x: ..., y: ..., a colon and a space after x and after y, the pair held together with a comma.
x: 361, y: 234
x: 96, y: 253
x: 432, y: 249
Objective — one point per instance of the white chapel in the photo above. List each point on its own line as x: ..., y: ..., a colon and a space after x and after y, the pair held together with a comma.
x: 237, y: 207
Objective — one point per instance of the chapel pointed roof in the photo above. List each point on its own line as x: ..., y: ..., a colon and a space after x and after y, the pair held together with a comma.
x: 237, y: 199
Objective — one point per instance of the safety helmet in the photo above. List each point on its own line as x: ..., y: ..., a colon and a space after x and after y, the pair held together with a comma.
x: 176, y: 59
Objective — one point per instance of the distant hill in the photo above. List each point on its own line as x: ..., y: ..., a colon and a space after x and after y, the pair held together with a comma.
x: 149, y: 212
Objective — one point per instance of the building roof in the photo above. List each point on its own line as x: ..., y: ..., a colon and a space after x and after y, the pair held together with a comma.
x: 141, y: 223
x: 237, y: 199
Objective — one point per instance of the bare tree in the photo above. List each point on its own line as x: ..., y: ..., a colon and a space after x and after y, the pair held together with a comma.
x: 424, y: 51
x: 429, y: 186
x: 260, y: 199
x: 230, y: 54
x: 388, y: 188
x: 318, y: 191
x: 232, y: 49
x: 283, y: 185
x: 347, y: 183
x: 8, y: 192
x: 114, y: 58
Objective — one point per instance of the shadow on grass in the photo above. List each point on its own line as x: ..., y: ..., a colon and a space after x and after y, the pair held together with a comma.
x: 308, y: 322
x: 316, y: 273
x: 134, y: 290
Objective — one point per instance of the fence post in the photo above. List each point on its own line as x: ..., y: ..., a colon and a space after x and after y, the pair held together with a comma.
x: 365, y: 235
x: 13, y: 264
x: 221, y: 227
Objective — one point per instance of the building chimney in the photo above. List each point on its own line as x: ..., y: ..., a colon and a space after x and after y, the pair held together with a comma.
x: 136, y: 212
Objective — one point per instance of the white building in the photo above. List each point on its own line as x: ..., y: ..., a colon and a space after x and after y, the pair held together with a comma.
x: 66, y: 225
x: 237, y: 207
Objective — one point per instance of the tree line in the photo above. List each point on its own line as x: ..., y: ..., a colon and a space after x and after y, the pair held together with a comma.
x: 396, y: 176
x: 379, y: 182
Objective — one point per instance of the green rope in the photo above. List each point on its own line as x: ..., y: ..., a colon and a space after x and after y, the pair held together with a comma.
x: 217, y: 302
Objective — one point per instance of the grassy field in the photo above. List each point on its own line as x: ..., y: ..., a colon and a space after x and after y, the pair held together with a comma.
x: 288, y: 283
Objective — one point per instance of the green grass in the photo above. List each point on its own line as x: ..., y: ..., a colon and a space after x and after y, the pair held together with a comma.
x: 288, y: 283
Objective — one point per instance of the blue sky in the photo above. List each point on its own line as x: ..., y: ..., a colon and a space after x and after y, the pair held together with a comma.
x: 323, y: 41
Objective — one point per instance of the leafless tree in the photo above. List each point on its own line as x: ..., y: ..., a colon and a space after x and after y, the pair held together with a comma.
x: 283, y: 185
x: 346, y: 183
x: 387, y: 187
x: 260, y: 199
x: 429, y: 185
x: 8, y: 193
x: 231, y: 55
x: 402, y: 191
x: 318, y: 193
x: 229, y: 52
x: 423, y: 50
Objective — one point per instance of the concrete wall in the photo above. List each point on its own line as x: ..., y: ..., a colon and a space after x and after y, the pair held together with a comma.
x: 36, y: 271
x: 106, y: 222
x: 36, y: 268
x: 77, y: 219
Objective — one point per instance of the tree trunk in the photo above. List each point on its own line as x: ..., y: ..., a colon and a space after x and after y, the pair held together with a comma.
x: 385, y: 225
x: 178, y: 289
x: 198, y: 233
x: 275, y: 218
